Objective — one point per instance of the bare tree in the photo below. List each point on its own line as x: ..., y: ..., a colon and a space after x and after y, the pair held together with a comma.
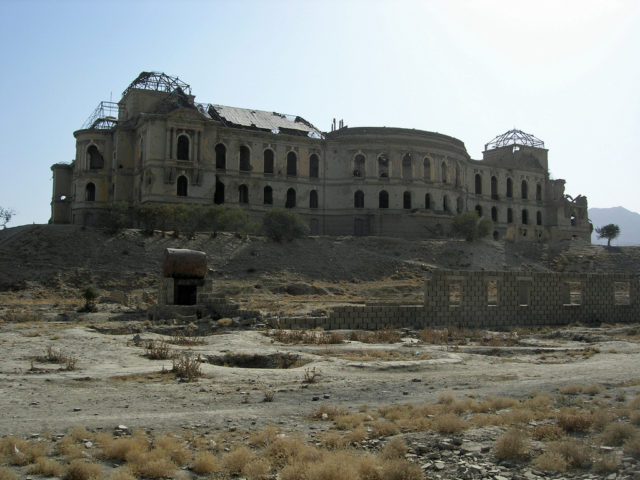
x: 5, y: 216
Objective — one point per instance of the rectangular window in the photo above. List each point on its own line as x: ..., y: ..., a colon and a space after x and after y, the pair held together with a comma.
x: 574, y: 293
x: 492, y: 293
x: 524, y: 293
x: 623, y: 293
x: 455, y: 294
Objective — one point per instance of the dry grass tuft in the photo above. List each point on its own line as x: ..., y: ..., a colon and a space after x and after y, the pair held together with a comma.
x: 571, y: 389
x: 175, y: 449
x: 158, y: 350
x: 6, y: 474
x: 187, y: 366
x: 500, y: 403
x: 306, y: 337
x: 121, y: 473
x: 617, y: 433
x: 79, y: 433
x: 385, y: 335
x: 632, y: 447
x: 47, y: 467
x: 383, y: 428
x: 513, y: 445
x: 547, y: 432
x: 264, y: 437
x: 574, y: 421
x: 151, y: 464
x: 606, y: 463
x: 83, y: 470
x: 592, y: 389
x: 205, y: 463
x: 256, y: 469
x: 577, y: 454
x: 551, y: 462
x: 400, y: 469
x: 234, y: 461
x: 68, y: 448
x: 357, y: 435
x: 449, y: 423
x: 121, y: 448
x: 16, y: 451
x: 395, y: 448
x: 333, y: 466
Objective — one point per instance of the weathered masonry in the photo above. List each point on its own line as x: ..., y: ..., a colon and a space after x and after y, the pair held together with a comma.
x: 498, y: 300
x: 157, y: 145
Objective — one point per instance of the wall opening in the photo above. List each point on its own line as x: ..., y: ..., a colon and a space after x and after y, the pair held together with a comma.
x: 538, y: 192
x: 268, y: 160
x: 184, y: 294
x: 221, y: 157
x: 524, y: 293
x: 314, y: 166
x: 313, y: 199
x: 383, y: 166
x: 183, y: 148
x: 358, y: 166
x: 292, y: 164
x: 427, y: 168
x: 524, y: 190
x: 406, y: 167
x: 383, y: 199
x: 96, y: 161
x: 478, y: 189
x: 525, y: 217
x: 509, y: 215
x: 358, y: 199
x: 459, y: 205
x: 218, y: 195
x: 509, y: 188
x: 427, y: 201
x: 182, y: 186
x: 445, y: 203
x: 268, y: 195
x: 479, y: 210
x: 315, y: 226
x: 622, y: 293
x: 90, y: 192
x: 406, y: 200
x: 494, y: 214
x: 291, y: 198
x: 494, y: 188
x: 245, y: 159
x: 492, y: 292
x: 358, y: 227
x: 573, y: 293
x: 243, y: 194
x: 538, y: 217
x: 455, y: 294
x: 443, y: 172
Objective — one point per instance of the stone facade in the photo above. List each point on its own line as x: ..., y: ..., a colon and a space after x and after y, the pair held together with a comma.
x: 157, y: 145
x: 501, y: 300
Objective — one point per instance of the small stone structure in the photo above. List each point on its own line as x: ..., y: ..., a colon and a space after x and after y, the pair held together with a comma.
x: 500, y: 300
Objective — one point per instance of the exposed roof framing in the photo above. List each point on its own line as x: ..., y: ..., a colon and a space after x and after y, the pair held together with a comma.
x: 158, y: 81
x: 514, y: 137
x: 104, y: 117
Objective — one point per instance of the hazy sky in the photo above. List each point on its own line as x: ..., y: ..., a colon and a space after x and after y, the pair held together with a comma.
x: 566, y: 71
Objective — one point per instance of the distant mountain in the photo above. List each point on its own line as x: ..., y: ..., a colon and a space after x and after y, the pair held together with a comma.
x: 628, y: 221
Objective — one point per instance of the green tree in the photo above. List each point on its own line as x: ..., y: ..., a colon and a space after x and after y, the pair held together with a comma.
x: 5, y: 216
x: 279, y: 225
x: 471, y: 227
x: 115, y: 217
x: 609, y: 232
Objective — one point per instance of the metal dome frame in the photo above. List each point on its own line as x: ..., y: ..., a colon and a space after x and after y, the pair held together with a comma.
x: 158, y: 81
x: 514, y: 137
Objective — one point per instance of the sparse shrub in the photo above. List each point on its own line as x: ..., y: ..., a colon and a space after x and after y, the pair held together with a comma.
x: 470, y: 226
x: 234, y: 461
x: 90, y: 295
x: 606, y: 463
x: 449, y: 423
x: 616, y: 433
x: 332, y: 440
x: 268, y: 394
x: 256, y: 469
x: 513, y: 445
x: 634, y: 417
x: 284, y: 449
x: 205, y: 463
x: 632, y: 446
x: 601, y: 418
x: 68, y: 448
x: 547, y: 432
x: 264, y: 437
x: 311, y: 375
x: 577, y: 454
x: 158, y: 350
x: 118, y: 449
x: 121, y: 473
x: 551, y: 462
x: 333, y: 466
x: 83, y: 470
x: 395, y: 448
x: 446, y: 398
x: 384, y: 335
x: 383, y: 428
x: 187, y: 366
x: 279, y: 225
x: 592, y: 389
x: 357, y: 435
x: 571, y: 389
x: 151, y: 464
x: 574, y: 422
x: 500, y: 403
x: 400, y: 469
x: 47, y: 467
x: 174, y: 448
x: 6, y: 474
x: 17, y: 451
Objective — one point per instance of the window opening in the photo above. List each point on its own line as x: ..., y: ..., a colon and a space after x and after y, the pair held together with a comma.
x: 538, y: 192
x: 427, y: 169
x: 443, y: 172
x: 622, y: 293
x: 523, y: 190
x: 427, y: 201
x: 406, y: 200
x: 183, y: 147
x: 479, y: 210
x: 383, y: 166
x: 455, y: 294
x: 182, y: 186
x: 525, y: 217
x: 478, y: 184
x: 573, y: 293
x: 445, y: 203
x: 314, y: 166
x: 268, y: 195
x: 509, y: 215
x: 243, y: 194
x: 268, y: 161
x: 358, y: 166
x: 459, y: 205
x: 494, y: 188
x: 96, y: 161
x: 406, y: 167
x: 245, y: 159
x: 509, y: 188
x: 383, y: 199
x: 538, y: 217
x: 292, y: 164
x: 313, y: 199
x: 221, y: 156
x: 524, y: 293
x: 291, y: 198
x: 492, y: 291
x: 218, y: 196
x: 90, y: 192
x: 358, y: 199
x: 494, y: 214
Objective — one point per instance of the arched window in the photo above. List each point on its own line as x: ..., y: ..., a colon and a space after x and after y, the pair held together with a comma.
x: 221, y: 156
x: 538, y: 192
x: 243, y: 194
x: 509, y: 215
x: 459, y: 205
x: 358, y: 199
x: 90, y: 192
x: 383, y: 166
x: 314, y: 166
x: 358, y: 166
x: 383, y: 199
x: 525, y: 217
x: 445, y: 203
x: 494, y: 188
x: 218, y: 196
x: 268, y: 161
x: 292, y: 164
x: 182, y: 186
x: 538, y: 217
x: 291, y: 198
x: 494, y: 214
x: 478, y: 184
x: 479, y: 210
x: 406, y: 167
x: 313, y: 199
x: 427, y: 201
x: 245, y: 159
x: 509, y: 188
x: 523, y: 190
x: 268, y: 195
x: 406, y: 200
x: 183, y: 147
x: 96, y: 161
x: 427, y: 168
x: 443, y: 172
x: 457, y: 175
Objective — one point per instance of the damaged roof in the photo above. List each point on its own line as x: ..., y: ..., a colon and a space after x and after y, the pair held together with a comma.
x: 261, y: 120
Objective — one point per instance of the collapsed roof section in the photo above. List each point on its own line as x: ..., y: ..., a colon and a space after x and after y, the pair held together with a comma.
x: 514, y: 137
x: 104, y: 117
x: 159, y: 82
x: 260, y: 120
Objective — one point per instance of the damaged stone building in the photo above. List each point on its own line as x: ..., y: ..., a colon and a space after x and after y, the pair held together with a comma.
x: 158, y: 145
